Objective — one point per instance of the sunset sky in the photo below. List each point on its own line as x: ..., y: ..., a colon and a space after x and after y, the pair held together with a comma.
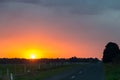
x: 57, y: 28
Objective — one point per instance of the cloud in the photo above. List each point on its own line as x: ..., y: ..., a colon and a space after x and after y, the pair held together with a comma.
x: 66, y: 9
x: 82, y: 7
x: 90, y: 13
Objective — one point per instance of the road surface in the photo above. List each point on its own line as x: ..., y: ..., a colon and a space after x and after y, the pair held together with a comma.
x: 89, y: 72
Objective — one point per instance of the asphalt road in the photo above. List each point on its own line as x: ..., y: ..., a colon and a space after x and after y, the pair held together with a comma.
x: 89, y: 72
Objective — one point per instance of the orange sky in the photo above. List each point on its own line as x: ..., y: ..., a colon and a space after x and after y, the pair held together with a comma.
x: 22, y: 37
x: 43, y: 47
x: 60, y: 29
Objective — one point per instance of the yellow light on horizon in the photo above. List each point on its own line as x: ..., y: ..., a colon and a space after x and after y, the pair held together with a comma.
x: 32, y: 56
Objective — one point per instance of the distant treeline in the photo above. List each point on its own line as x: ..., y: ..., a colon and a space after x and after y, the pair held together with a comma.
x: 46, y: 60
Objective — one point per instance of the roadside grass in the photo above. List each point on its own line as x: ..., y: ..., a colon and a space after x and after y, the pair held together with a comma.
x: 112, y: 71
x: 37, y: 71
x: 11, y: 68
x: 23, y: 68
x: 41, y: 75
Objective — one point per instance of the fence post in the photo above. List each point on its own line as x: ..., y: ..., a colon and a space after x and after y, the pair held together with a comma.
x: 7, y: 72
x: 24, y: 68
x: 39, y: 67
x: 11, y: 76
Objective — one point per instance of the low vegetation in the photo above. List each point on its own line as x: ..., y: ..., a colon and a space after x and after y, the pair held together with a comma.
x: 33, y: 71
x: 25, y: 69
x: 41, y: 75
x: 112, y: 71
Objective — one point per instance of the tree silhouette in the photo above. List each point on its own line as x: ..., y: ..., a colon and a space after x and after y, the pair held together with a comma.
x: 111, y: 52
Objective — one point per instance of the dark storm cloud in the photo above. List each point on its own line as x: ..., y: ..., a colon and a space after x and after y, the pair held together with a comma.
x: 86, y: 7
x: 30, y: 1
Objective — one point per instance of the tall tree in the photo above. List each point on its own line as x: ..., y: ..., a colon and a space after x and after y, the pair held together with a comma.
x: 111, y: 51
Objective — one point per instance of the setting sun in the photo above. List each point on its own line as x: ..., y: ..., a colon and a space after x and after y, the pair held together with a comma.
x: 33, y: 53
x: 32, y: 56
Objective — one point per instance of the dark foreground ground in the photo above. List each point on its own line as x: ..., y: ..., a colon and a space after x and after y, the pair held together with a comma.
x: 75, y: 71
x: 88, y: 72
x: 112, y: 71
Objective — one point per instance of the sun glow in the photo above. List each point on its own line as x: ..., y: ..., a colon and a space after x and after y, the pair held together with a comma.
x: 32, y: 56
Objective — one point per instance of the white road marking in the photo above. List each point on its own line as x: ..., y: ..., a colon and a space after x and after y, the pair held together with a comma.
x: 80, y: 72
x: 73, y: 77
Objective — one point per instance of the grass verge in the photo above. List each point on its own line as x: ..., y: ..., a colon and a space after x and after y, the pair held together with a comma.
x: 112, y: 71
x: 41, y: 75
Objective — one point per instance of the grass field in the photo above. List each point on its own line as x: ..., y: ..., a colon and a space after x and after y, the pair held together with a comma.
x: 112, y: 71
x: 45, y: 74
x: 37, y: 72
